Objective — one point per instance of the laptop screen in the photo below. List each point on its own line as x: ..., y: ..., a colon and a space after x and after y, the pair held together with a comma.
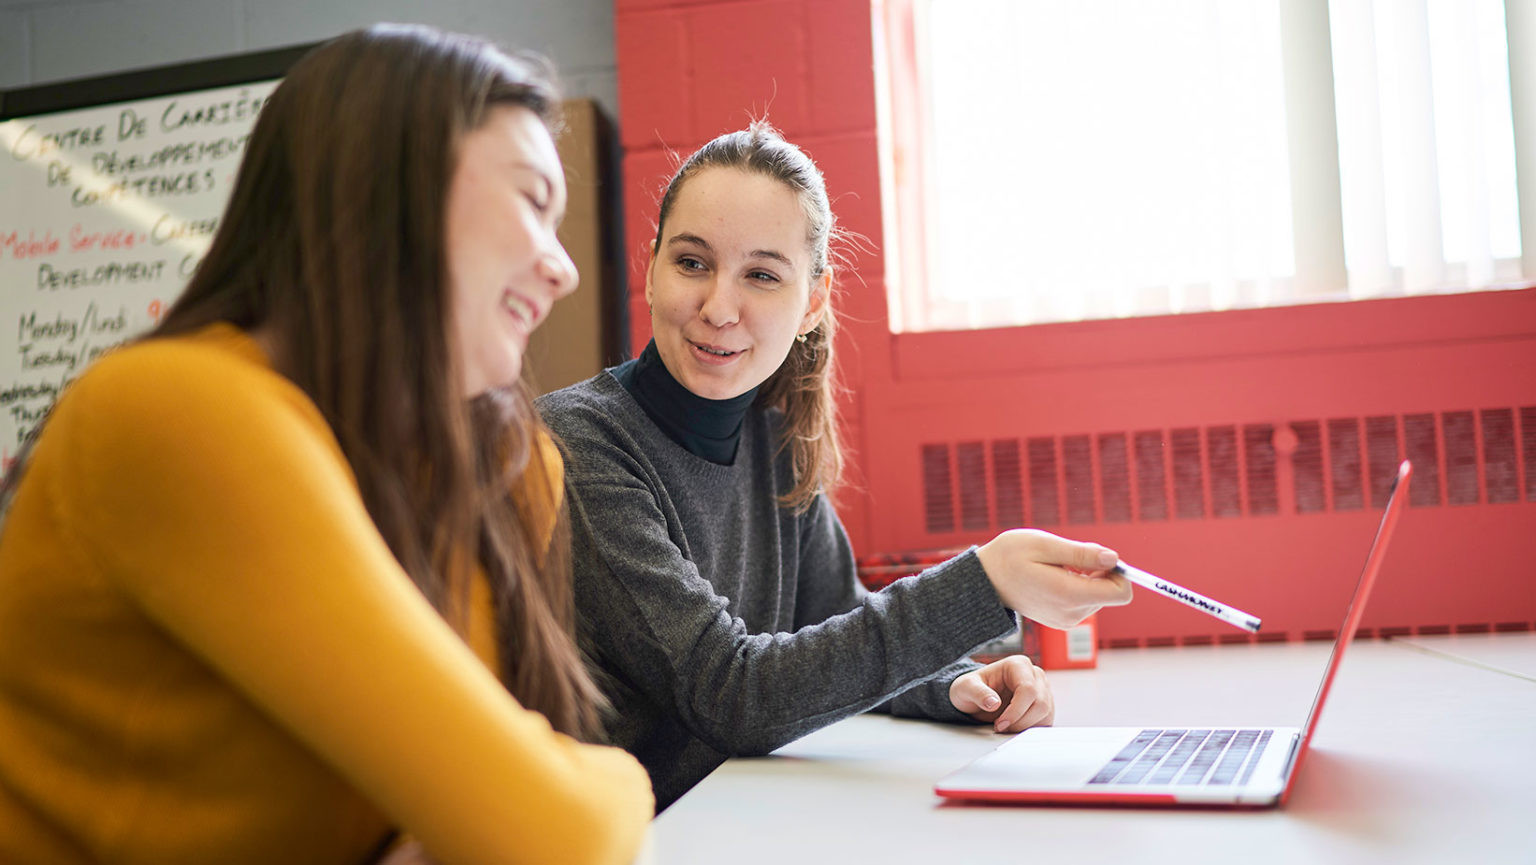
x: 1356, y: 609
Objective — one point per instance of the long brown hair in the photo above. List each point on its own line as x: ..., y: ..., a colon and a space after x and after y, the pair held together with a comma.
x: 805, y: 386
x: 333, y: 243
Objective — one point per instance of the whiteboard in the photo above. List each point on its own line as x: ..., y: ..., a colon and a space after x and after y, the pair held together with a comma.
x: 104, y: 213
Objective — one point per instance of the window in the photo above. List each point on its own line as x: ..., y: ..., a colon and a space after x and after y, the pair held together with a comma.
x: 1062, y: 160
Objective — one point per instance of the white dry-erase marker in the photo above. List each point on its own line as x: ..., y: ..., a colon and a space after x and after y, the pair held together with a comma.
x: 1230, y: 615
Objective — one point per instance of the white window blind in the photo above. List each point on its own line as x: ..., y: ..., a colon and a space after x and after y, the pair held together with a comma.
x: 1062, y: 160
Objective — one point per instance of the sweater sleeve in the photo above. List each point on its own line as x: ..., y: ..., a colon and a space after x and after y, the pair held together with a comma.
x: 829, y: 585
x: 661, y: 628
x: 218, y: 503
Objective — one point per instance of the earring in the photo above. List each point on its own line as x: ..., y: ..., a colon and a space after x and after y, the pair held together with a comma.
x: 799, y: 337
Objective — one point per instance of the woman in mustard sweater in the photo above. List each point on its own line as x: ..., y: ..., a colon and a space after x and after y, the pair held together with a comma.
x: 268, y: 574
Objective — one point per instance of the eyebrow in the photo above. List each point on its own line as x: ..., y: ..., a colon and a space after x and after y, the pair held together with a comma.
x: 540, y: 171
x: 695, y: 240
x: 549, y: 185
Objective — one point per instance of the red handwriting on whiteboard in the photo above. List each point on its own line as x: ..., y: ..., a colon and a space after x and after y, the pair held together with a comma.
x: 31, y: 246
x: 81, y: 240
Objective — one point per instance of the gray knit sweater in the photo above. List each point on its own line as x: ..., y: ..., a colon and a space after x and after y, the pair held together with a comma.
x: 723, y: 624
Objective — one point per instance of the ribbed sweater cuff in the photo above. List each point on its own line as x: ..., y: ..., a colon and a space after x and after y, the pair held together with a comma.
x: 964, y: 603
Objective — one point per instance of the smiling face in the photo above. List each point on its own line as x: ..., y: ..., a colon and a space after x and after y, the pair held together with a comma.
x: 506, y: 267
x: 729, y: 283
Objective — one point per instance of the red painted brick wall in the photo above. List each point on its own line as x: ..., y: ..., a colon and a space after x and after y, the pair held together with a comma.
x: 689, y: 71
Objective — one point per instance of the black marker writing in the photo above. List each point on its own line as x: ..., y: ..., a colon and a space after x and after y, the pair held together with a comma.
x: 1188, y: 597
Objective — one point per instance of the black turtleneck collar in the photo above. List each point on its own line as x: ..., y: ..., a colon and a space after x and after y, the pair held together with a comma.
x: 708, y: 428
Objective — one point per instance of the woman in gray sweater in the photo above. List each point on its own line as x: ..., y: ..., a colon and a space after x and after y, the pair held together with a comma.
x: 715, y: 584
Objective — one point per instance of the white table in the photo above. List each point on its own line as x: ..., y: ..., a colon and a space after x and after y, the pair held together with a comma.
x: 1372, y: 790
x: 1514, y: 654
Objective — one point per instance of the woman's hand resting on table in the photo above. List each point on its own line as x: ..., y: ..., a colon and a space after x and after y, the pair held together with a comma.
x: 1011, y: 695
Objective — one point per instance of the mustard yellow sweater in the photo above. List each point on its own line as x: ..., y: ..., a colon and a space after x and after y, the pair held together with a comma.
x: 208, y: 654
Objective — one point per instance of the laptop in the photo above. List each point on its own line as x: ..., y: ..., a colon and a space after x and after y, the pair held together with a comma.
x: 1202, y: 766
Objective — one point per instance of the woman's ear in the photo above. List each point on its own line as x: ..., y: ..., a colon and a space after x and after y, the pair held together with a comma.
x: 650, y: 265
x: 821, y: 293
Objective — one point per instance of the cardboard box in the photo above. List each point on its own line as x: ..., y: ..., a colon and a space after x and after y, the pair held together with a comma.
x: 586, y: 331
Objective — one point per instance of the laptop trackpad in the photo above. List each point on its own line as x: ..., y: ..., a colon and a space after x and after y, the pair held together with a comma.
x: 1046, y: 757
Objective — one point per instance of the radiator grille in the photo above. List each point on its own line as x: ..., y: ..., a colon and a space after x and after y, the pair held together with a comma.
x: 1008, y: 482
x: 1463, y: 457
x: 938, y: 489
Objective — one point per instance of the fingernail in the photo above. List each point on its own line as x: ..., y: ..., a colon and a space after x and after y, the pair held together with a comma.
x: 1108, y: 558
x: 990, y: 702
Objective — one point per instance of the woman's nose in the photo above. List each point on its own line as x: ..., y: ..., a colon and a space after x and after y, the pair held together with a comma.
x: 721, y: 307
x: 556, y: 267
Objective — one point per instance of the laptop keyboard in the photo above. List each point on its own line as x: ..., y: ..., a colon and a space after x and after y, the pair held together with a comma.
x: 1216, y: 757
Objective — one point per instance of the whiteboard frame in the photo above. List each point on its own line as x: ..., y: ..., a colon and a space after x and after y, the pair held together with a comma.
x: 149, y: 82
